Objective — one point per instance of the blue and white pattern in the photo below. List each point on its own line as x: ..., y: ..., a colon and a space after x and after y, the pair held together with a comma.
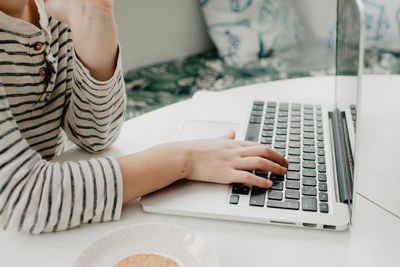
x: 259, y: 26
x: 382, y: 27
x: 244, y: 30
x: 239, y: 5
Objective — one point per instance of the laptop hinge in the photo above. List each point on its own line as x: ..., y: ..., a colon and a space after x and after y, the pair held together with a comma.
x: 342, y: 156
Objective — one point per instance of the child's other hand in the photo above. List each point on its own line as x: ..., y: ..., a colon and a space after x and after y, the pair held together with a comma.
x: 225, y: 161
x: 66, y: 10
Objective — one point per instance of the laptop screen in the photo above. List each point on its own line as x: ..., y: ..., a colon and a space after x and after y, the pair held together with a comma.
x: 349, y: 68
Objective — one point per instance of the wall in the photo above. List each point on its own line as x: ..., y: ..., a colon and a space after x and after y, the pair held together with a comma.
x: 152, y: 31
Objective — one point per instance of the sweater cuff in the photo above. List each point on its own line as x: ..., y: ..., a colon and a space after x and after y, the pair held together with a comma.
x: 83, y: 74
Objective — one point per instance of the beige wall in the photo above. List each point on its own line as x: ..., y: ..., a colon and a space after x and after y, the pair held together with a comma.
x: 151, y: 31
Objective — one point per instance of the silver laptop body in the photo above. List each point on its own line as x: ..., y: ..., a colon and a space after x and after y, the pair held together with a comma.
x: 316, y: 193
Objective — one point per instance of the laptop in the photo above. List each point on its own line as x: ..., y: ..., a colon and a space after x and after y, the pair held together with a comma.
x: 318, y: 139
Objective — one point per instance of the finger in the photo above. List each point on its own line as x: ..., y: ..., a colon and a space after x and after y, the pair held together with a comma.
x: 251, y: 179
x: 248, y: 143
x: 265, y: 152
x: 229, y: 135
x: 259, y: 163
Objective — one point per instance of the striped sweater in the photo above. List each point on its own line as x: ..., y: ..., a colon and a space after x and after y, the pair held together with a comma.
x: 46, y: 94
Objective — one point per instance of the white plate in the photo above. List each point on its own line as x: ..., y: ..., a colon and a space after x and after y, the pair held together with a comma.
x: 178, y: 243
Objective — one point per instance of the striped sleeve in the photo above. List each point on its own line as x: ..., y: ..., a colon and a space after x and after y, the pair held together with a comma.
x: 39, y: 196
x: 95, y: 111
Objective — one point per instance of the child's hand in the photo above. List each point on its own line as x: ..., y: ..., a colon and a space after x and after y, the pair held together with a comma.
x: 94, y: 32
x: 225, y: 161
x: 68, y: 10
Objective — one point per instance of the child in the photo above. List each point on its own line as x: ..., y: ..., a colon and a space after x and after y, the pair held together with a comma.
x: 51, y: 86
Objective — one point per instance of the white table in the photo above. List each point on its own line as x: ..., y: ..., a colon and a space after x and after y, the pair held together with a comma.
x: 373, y: 241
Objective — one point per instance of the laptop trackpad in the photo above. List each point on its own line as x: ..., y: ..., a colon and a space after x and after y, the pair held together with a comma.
x: 195, y: 129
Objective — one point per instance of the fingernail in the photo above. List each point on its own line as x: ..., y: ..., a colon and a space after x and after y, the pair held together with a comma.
x: 269, y: 183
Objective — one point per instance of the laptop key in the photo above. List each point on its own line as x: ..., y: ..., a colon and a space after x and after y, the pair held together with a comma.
x: 308, y: 129
x: 296, y: 113
x: 271, y: 104
x: 309, y: 191
x: 309, y: 156
x: 320, y: 144
x: 294, y: 167
x: 308, y: 149
x: 295, y: 131
x: 270, y: 110
x: 257, y: 107
x: 270, y: 116
x: 268, y: 127
x: 308, y: 123
x: 280, y: 138
x: 320, y: 137
x: 322, y: 168
x: 322, y: 187
x: 294, y: 152
x: 293, y: 144
x: 255, y: 119
x: 283, y: 120
x: 309, y: 181
x: 292, y: 194
x: 269, y: 121
x: 321, y: 160
x: 293, y: 159
x: 234, y: 199
x: 280, y: 145
x: 266, y: 140
x: 292, y: 185
x: 320, y: 131
x: 257, y: 196
x: 276, y: 177
x: 240, y: 189
x: 295, y: 119
x: 309, y: 173
x: 293, y: 176
x: 295, y: 125
x: 308, y: 112
x: 281, y: 131
x: 323, y: 207
x: 309, y: 204
x: 309, y: 135
x: 308, y: 142
x: 256, y: 113
x: 323, y: 197
x: 309, y: 164
x: 253, y: 131
x: 277, y: 186
x: 258, y: 103
x: 267, y: 133
x: 308, y: 117
x: 283, y: 114
x: 321, y: 177
x: 261, y: 173
x: 321, y: 152
x: 287, y: 204
x: 294, y: 138
x: 275, y: 195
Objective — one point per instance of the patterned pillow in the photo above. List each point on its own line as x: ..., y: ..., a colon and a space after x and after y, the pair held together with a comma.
x: 245, y: 30
x: 382, y: 24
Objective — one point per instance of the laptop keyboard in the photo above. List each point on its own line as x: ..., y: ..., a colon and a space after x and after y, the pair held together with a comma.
x: 296, y: 131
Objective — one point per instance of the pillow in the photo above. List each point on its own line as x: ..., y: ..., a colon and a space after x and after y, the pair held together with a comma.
x: 245, y: 30
x: 382, y: 24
